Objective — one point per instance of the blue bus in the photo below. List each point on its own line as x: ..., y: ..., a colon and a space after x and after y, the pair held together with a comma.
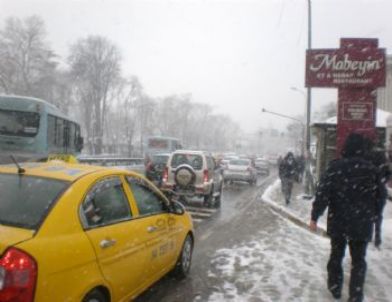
x: 31, y: 129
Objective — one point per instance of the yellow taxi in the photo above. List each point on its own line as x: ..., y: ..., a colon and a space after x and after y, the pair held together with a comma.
x: 71, y: 232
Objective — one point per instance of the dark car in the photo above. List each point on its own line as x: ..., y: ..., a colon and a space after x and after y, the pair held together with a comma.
x: 155, y: 167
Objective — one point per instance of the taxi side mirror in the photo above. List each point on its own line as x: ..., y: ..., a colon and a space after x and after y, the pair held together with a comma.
x: 177, y: 208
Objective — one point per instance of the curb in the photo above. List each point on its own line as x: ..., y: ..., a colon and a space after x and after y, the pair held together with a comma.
x: 293, y: 218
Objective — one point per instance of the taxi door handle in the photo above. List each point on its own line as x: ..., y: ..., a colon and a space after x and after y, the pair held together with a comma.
x: 151, y: 229
x: 107, y: 243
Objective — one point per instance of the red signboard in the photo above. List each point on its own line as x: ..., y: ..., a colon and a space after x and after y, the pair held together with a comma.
x: 357, y: 111
x: 345, y: 67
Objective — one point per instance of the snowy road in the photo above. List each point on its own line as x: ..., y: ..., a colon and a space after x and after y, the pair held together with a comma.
x: 250, y: 253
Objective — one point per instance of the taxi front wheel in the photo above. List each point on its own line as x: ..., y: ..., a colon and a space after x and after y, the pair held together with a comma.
x: 95, y: 296
x: 183, y: 265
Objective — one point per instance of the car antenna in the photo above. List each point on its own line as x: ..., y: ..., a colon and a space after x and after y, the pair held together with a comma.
x: 20, y: 169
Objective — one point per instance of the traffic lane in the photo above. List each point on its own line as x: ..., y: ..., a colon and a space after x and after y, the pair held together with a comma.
x: 211, y: 235
x: 238, y: 195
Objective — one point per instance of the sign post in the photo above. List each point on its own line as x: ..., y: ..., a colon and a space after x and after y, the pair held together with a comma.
x: 357, y: 68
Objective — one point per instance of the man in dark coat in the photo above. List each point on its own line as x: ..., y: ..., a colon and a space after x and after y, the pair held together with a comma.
x: 288, y: 174
x: 350, y: 188
x: 378, y: 158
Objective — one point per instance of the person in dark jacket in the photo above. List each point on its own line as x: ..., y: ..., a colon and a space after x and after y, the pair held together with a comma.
x: 288, y: 174
x: 350, y: 188
x: 379, y: 159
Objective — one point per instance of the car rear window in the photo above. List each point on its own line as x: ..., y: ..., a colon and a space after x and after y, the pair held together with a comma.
x: 261, y: 161
x: 194, y: 160
x: 160, y: 159
x: 239, y: 162
x: 25, y: 200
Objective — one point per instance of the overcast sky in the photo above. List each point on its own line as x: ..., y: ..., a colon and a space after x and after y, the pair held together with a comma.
x: 238, y: 56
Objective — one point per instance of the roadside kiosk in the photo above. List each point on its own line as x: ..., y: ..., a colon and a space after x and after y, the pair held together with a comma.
x: 325, y: 133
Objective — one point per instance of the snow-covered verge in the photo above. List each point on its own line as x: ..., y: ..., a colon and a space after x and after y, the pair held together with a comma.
x: 299, y: 208
x: 286, y: 262
x: 282, y: 268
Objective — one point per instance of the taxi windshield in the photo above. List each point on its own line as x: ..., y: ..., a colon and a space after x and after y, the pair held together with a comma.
x: 25, y: 200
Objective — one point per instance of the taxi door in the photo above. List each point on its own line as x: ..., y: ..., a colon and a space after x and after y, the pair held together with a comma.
x: 114, y: 233
x: 154, y: 218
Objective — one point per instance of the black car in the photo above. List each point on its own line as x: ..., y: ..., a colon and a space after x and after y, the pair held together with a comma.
x: 155, y: 167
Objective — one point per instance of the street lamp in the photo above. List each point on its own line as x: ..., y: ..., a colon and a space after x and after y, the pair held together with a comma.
x: 298, y: 90
x: 282, y: 115
x: 290, y: 118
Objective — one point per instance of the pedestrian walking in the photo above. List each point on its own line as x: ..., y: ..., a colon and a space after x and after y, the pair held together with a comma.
x: 379, y: 159
x: 350, y: 188
x: 288, y: 174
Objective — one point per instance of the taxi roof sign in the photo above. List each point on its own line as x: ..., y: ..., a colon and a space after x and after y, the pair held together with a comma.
x: 68, y: 158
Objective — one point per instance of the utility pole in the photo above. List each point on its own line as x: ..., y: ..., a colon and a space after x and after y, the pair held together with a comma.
x: 308, y: 177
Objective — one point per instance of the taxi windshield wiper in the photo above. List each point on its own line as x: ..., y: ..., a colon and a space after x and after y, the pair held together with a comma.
x: 20, y: 169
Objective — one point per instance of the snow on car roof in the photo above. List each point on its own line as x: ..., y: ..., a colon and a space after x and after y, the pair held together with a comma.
x: 52, y: 169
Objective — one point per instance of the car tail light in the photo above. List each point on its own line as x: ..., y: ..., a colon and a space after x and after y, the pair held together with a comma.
x: 205, y: 176
x: 18, y: 276
x: 165, y: 174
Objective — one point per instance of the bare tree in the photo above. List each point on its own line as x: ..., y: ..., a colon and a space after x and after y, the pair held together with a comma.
x: 95, y: 71
x: 27, y: 64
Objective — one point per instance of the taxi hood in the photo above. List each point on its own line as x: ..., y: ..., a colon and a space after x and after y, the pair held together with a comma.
x: 10, y: 236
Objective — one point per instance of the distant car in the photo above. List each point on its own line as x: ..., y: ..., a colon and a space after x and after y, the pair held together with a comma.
x: 225, y: 161
x: 240, y: 170
x: 273, y: 159
x: 262, y: 166
x: 194, y: 174
x: 155, y: 167
x: 72, y: 232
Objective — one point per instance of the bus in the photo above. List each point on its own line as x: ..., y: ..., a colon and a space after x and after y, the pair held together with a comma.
x: 31, y: 129
x: 161, y: 144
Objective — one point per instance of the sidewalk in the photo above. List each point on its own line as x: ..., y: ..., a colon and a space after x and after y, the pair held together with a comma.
x: 299, y: 209
x: 379, y: 277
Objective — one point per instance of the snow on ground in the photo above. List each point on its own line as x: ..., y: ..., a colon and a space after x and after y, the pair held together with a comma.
x: 286, y: 262
x: 298, y: 207
x: 281, y: 268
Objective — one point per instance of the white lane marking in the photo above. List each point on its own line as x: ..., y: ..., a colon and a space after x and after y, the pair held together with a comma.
x: 195, y: 209
x: 205, y: 235
x: 198, y: 214
x: 197, y: 220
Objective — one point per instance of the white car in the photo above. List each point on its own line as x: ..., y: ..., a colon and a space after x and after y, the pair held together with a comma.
x: 240, y: 170
x: 262, y: 166
x: 194, y: 174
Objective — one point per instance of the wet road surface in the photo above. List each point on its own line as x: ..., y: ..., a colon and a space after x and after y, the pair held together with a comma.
x: 226, y: 226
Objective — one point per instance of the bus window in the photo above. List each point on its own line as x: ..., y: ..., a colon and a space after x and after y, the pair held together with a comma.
x: 72, y: 136
x: 19, y: 123
x: 59, y: 132
x: 51, y: 132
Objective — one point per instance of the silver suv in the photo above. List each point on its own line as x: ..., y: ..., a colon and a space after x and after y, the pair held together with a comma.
x: 194, y: 173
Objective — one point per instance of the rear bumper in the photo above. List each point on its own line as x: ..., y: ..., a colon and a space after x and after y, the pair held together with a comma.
x: 238, y: 176
x: 190, y: 191
x: 262, y: 170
